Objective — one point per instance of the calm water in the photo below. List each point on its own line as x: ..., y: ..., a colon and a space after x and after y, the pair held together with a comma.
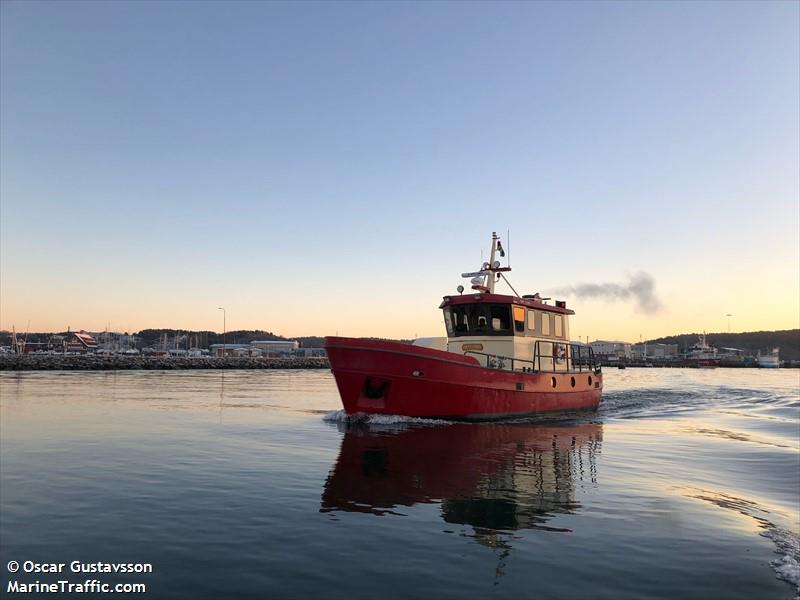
x: 685, y: 484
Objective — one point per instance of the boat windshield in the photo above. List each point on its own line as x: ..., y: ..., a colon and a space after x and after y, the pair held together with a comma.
x: 478, y: 319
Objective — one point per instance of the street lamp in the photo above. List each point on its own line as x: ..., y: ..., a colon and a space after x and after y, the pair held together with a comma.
x: 729, y: 315
x: 224, y: 316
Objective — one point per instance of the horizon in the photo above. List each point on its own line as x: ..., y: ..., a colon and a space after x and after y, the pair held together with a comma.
x: 323, y: 168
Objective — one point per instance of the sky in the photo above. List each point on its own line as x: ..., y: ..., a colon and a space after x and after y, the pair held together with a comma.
x: 324, y: 168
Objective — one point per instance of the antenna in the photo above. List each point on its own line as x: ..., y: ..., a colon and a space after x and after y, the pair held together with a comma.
x: 508, y: 246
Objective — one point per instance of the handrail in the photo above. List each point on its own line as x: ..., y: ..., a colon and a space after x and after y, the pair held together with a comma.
x: 576, y: 357
x: 498, y: 361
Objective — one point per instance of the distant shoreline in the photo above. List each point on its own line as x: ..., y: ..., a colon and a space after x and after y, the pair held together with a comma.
x: 93, y: 362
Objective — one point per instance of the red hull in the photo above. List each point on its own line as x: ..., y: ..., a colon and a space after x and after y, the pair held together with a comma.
x: 380, y: 377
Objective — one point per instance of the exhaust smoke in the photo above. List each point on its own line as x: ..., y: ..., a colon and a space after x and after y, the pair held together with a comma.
x: 640, y: 288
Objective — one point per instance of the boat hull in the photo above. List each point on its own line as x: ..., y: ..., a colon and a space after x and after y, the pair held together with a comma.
x: 769, y: 362
x: 708, y: 363
x: 381, y: 377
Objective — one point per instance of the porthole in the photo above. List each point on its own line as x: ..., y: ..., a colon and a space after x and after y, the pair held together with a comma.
x: 572, y: 381
x: 553, y: 382
x: 590, y: 380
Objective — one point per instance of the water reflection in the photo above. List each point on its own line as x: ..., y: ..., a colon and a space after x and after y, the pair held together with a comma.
x: 494, y: 478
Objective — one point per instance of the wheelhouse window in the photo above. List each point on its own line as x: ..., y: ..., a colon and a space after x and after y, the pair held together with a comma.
x: 559, y: 331
x: 478, y: 319
x: 448, y: 321
x: 545, y: 324
x: 531, y: 320
x: 519, y: 318
x: 500, y: 315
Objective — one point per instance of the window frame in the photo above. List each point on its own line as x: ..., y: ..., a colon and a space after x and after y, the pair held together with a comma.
x: 519, y: 325
x: 545, y: 315
x: 484, y: 311
x: 531, y: 320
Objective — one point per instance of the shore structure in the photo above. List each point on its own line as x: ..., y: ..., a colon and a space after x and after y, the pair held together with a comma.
x: 700, y: 355
x: 98, y: 362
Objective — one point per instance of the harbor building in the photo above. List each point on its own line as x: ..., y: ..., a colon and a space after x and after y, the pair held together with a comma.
x: 655, y: 351
x: 310, y: 353
x: 234, y: 350
x: 611, y: 350
x: 276, y: 347
x: 267, y: 348
x: 81, y: 342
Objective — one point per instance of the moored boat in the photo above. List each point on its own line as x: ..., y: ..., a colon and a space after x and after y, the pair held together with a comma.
x: 703, y: 355
x: 770, y: 360
x: 504, y: 355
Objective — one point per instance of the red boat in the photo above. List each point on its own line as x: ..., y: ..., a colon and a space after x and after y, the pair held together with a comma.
x: 504, y: 356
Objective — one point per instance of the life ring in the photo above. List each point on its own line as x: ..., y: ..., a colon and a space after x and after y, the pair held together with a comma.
x: 560, y: 353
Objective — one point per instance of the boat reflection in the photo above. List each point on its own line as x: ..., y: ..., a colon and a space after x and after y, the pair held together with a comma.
x: 492, y: 477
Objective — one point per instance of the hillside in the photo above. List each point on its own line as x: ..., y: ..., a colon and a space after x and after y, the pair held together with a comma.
x: 751, y: 342
x: 203, y: 339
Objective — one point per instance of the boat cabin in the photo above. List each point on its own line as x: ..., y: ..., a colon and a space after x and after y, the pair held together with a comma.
x: 521, y: 333
x: 534, y: 334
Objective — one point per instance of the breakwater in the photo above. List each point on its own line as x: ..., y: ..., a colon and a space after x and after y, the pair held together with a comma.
x: 93, y: 362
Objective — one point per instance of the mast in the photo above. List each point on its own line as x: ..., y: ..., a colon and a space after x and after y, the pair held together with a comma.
x: 490, y: 276
x: 484, y: 280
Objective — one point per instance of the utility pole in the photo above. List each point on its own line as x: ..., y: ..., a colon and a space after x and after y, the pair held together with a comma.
x: 224, y: 317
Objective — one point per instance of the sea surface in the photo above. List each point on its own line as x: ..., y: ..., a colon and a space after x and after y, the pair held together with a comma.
x: 252, y: 484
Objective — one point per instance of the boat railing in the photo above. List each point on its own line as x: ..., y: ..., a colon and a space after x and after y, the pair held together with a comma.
x: 505, y: 363
x: 575, y: 357
x: 580, y: 357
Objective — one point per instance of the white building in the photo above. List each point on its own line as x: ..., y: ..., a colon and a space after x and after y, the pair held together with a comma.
x: 276, y: 347
x: 234, y: 350
x: 311, y: 352
x: 271, y: 348
x: 654, y: 350
x: 612, y: 350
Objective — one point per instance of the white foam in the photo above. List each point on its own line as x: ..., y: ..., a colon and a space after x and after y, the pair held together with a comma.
x: 787, y: 544
x: 340, y: 416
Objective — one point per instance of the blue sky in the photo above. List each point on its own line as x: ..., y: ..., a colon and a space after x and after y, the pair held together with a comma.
x: 323, y: 167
